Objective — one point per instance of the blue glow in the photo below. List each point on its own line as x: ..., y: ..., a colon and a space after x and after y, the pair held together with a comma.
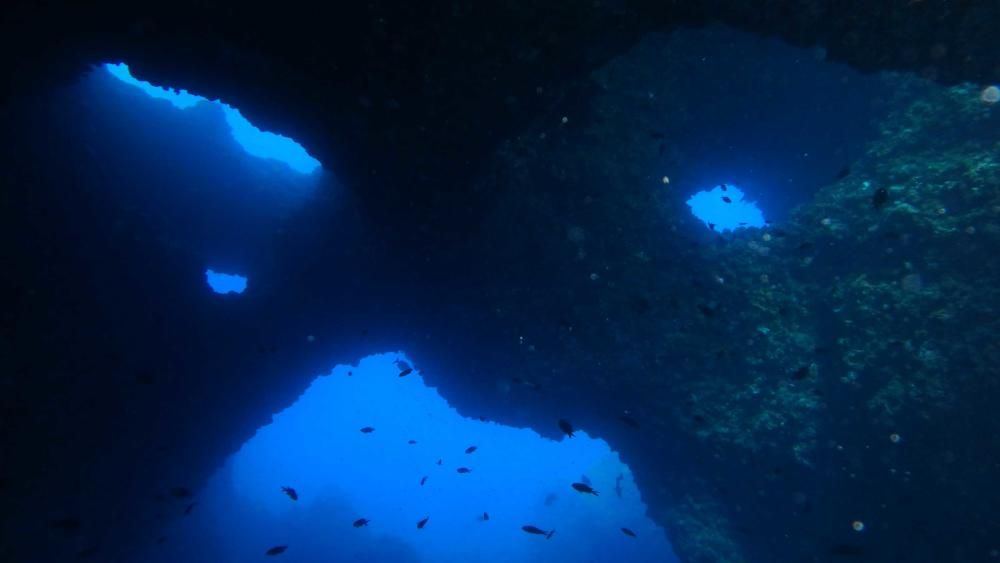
x: 225, y: 283
x: 342, y: 474
x: 737, y: 213
x: 255, y: 142
x: 181, y: 99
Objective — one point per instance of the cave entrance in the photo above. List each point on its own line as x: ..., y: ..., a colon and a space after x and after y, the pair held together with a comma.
x: 364, y: 442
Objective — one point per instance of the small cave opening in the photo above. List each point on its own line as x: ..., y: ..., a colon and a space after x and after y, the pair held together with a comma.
x: 725, y: 208
x: 225, y: 283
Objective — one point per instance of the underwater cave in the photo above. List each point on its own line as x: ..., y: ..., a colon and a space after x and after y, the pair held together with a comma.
x: 499, y: 283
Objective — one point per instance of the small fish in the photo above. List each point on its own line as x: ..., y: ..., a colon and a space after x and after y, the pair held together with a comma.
x: 406, y: 372
x: 470, y: 449
x: 584, y: 488
x: 181, y: 492
x: 350, y: 373
x: 361, y: 522
x: 743, y: 223
x: 711, y: 226
x: 464, y: 470
x: 486, y: 517
x: 422, y: 523
x: 68, y: 525
x: 629, y: 421
x: 843, y: 173
x: 801, y: 373
x: 628, y: 532
x: 292, y: 494
x: 566, y: 427
x: 537, y: 531
x: 726, y: 199
x: 879, y: 198
x: 706, y: 310
x: 402, y: 365
x: 411, y: 442
x: 367, y: 430
x: 190, y: 507
x: 423, y: 480
x: 724, y: 188
x: 276, y: 550
x: 439, y: 462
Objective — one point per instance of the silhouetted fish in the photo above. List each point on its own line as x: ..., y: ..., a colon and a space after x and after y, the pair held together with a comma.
x: 406, y: 372
x: 181, y: 492
x: 423, y: 480
x: 361, y: 522
x: 879, y: 198
x: 726, y: 199
x: 537, y: 531
x: 711, y: 226
x: 411, y: 442
x: 463, y: 470
x: 423, y: 522
x: 439, y: 462
x: 628, y: 532
x: 566, y: 427
x: 292, y: 494
x: 584, y: 488
x: 276, y: 550
x: 367, y: 430
x: 190, y: 507
x: 724, y: 188
x: 470, y: 449
x: 485, y: 517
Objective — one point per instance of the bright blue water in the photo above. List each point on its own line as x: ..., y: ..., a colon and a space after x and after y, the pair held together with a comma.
x: 342, y: 474
x: 225, y: 283
x: 737, y: 213
x: 254, y: 141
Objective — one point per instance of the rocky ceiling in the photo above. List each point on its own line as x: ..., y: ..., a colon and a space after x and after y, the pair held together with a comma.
x: 405, y: 102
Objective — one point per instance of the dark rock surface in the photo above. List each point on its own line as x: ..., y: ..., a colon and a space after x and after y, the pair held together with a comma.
x: 417, y: 107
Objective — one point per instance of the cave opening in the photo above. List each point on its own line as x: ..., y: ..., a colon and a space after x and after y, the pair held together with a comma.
x: 225, y: 283
x: 373, y: 441
x: 725, y: 208
x: 261, y: 144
